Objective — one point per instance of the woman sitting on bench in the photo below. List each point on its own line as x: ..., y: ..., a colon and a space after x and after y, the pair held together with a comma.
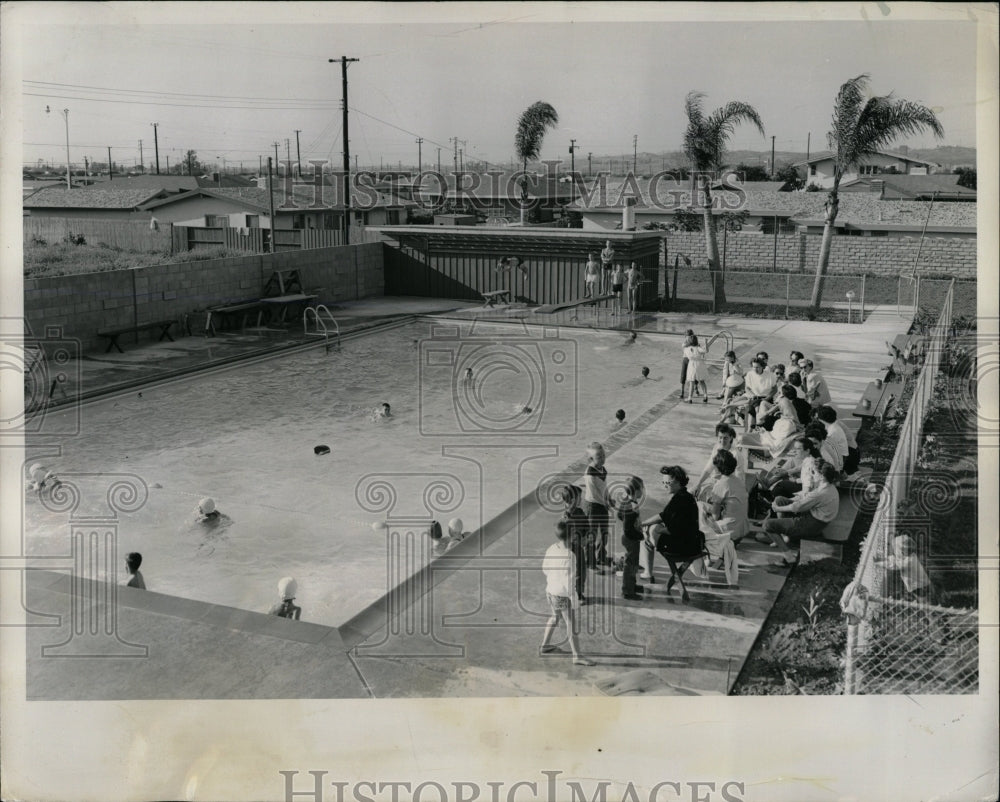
x: 805, y: 516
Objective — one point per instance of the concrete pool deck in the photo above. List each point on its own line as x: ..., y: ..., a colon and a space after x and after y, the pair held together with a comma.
x: 483, y: 620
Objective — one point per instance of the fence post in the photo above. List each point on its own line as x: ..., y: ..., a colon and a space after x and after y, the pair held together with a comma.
x: 916, y: 297
x: 788, y: 284
x: 849, y: 658
x: 863, y: 276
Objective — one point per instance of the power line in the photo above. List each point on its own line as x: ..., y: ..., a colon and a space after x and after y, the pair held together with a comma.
x: 160, y: 93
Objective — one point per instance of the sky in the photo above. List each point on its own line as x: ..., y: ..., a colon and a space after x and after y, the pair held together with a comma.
x: 228, y: 84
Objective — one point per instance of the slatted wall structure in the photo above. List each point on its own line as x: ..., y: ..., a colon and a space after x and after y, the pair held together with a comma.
x: 460, y: 261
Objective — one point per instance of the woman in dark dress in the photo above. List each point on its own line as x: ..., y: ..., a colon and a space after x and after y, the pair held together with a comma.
x: 674, y: 531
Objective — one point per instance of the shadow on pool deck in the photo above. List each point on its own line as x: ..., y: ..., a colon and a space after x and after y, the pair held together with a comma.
x: 477, y: 632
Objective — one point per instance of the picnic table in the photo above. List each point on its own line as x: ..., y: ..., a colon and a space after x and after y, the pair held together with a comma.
x: 243, y: 308
x: 112, y: 335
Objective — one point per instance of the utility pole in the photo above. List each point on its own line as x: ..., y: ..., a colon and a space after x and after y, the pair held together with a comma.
x: 461, y: 161
x: 298, y: 151
x: 635, y: 151
x: 808, y: 141
x: 420, y: 154
x: 344, y: 61
x: 156, y: 146
x: 590, y: 171
x: 111, y: 176
x: 260, y: 165
x: 276, y: 170
x: 288, y: 151
x: 772, y: 158
x: 454, y: 140
x: 572, y: 171
x: 86, y: 166
x: 439, y: 173
x: 142, y: 164
x: 270, y: 199
x: 168, y: 165
x: 190, y: 164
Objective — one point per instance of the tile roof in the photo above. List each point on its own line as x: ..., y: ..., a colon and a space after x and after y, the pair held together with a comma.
x: 173, y: 183
x: 828, y: 154
x: 305, y: 197
x: 89, y: 198
x: 910, y: 186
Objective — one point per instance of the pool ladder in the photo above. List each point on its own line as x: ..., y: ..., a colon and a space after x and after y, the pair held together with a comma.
x: 723, y: 333
x: 321, y: 317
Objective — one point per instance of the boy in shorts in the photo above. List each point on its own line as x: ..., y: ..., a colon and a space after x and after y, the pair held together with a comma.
x: 593, y: 270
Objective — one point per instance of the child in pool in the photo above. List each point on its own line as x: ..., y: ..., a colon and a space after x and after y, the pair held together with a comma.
x: 134, y: 578
x: 207, y: 511
x: 383, y: 410
x: 619, y: 420
x: 286, y: 608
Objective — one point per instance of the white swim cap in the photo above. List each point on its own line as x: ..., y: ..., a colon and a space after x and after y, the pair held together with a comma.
x: 287, y: 587
x: 207, y: 506
x: 455, y: 526
x: 37, y: 472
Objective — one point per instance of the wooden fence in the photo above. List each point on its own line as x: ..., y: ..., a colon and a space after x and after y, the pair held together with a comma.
x: 131, y: 235
x: 253, y: 240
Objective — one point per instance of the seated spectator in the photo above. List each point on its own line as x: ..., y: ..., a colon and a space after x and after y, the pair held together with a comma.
x: 725, y: 437
x: 793, y: 363
x: 675, y: 529
x: 805, y: 516
x: 817, y: 393
x: 760, y: 387
x: 785, y: 406
x: 726, y: 516
x: 795, y: 472
x: 134, y: 578
x: 732, y: 378
x: 842, y: 439
x: 795, y: 379
x: 286, y: 608
x: 776, y: 441
x: 816, y: 432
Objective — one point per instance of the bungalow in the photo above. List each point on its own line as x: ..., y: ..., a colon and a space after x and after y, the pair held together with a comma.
x: 175, y: 183
x: 250, y: 207
x: 820, y: 168
x: 94, y: 203
x: 938, y: 187
x: 495, y: 196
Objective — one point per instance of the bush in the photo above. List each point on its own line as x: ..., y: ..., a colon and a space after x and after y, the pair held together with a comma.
x: 75, y: 239
x: 39, y: 241
x: 204, y: 254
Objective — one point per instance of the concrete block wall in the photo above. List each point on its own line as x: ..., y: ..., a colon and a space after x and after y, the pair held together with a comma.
x: 799, y: 253
x: 85, y: 303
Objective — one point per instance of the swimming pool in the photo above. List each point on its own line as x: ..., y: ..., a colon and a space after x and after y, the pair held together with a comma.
x: 245, y: 436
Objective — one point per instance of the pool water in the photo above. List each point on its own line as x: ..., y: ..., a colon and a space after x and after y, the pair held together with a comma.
x: 246, y: 435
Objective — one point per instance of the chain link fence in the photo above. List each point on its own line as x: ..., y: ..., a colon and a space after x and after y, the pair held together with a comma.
x: 899, y: 640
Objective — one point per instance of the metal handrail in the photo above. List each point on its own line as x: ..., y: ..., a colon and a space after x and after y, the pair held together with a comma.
x: 321, y: 329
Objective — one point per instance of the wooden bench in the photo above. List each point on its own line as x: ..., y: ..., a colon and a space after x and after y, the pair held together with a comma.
x: 243, y: 308
x: 874, y: 403
x: 282, y: 303
x: 496, y: 296
x: 112, y: 335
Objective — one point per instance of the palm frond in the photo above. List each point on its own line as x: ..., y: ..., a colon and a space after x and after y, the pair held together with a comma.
x: 705, y: 138
x: 531, y: 127
x: 846, y: 110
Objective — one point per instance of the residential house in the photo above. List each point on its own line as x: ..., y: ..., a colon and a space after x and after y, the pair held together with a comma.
x: 937, y: 187
x: 820, y: 168
x: 496, y: 196
x: 94, y: 203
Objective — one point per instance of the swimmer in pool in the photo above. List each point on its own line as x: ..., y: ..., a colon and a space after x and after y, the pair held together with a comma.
x: 286, y: 608
x: 207, y: 512
x: 632, y: 337
x: 619, y: 420
x: 383, y: 410
x: 468, y: 381
x: 645, y: 373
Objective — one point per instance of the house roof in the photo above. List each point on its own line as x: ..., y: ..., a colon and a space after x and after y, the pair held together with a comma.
x: 808, y: 208
x: 911, y: 187
x: 175, y: 183
x: 305, y: 198
x: 823, y: 155
x: 498, y: 186
x: 89, y: 198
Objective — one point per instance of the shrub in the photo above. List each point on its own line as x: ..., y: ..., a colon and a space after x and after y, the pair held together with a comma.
x: 75, y: 239
x: 39, y: 241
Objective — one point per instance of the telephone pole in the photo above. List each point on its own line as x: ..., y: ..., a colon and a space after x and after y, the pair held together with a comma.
x: 590, y: 171
x: 572, y: 172
x: 276, y: 170
x: 439, y: 173
x: 156, y: 146
x: 298, y: 151
x: 635, y: 154
x: 111, y: 176
x: 420, y: 154
x: 454, y: 141
x: 344, y: 61
x: 270, y: 200
x: 288, y: 151
x: 142, y: 164
x: 772, y: 158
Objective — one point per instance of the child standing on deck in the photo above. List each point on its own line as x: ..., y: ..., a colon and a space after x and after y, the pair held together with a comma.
x: 695, y: 373
x: 633, y: 279
x: 617, y: 286
x: 628, y: 514
x: 593, y: 271
x: 595, y: 504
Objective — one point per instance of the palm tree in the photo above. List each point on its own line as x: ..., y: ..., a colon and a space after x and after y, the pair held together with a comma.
x: 531, y: 127
x: 705, y: 145
x: 861, y: 128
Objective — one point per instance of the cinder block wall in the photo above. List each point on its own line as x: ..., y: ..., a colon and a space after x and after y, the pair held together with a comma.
x: 799, y: 253
x: 86, y: 303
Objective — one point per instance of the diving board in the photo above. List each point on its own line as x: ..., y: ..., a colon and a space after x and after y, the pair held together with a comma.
x: 558, y: 307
